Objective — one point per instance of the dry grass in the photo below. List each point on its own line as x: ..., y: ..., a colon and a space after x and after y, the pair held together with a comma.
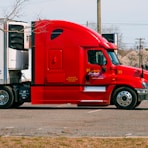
x: 63, y: 142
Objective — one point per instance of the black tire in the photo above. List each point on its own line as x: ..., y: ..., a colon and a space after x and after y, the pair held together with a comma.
x: 16, y: 104
x: 6, y: 97
x: 138, y: 103
x: 125, y: 98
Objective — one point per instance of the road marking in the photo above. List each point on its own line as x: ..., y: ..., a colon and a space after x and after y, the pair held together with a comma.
x: 93, y: 111
x: 64, y: 105
x: 40, y: 128
x: 128, y: 134
x: 9, y: 127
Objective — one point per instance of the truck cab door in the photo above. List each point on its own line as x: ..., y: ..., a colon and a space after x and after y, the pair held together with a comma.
x: 98, y: 71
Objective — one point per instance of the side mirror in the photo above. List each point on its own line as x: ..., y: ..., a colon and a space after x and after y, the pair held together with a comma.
x: 101, y: 62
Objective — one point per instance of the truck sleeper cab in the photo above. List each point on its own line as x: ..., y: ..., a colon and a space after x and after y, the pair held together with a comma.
x: 73, y: 64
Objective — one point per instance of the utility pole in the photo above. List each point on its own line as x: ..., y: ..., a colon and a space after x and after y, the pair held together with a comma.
x: 99, y: 16
x: 140, y: 47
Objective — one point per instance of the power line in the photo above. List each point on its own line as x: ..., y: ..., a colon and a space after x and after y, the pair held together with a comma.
x: 129, y: 24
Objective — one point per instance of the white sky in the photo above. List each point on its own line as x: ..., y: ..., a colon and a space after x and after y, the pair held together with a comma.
x: 130, y: 16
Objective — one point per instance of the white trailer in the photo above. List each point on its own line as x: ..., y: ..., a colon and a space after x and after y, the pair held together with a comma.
x: 14, y: 57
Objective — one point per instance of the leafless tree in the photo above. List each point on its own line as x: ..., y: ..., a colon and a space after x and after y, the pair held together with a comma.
x: 131, y: 57
x: 13, y: 13
x: 111, y: 29
x: 114, y: 29
x: 16, y: 10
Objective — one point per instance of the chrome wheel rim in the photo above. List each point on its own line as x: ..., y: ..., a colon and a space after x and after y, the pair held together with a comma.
x: 4, y: 97
x: 124, y: 98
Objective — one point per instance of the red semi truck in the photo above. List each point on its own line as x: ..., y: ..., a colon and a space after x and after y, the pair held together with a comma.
x: 70, y: 64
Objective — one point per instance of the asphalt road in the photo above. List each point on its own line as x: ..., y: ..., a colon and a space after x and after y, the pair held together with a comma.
x: 69, y: 120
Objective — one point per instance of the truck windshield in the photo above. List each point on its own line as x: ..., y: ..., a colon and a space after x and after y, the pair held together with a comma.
x: 113, y: 57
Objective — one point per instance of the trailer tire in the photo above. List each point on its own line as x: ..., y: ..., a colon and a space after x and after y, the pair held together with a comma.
x: 125, y: 98
x: 6, y: 97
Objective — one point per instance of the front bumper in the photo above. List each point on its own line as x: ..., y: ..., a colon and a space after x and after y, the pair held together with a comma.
x: 142, y: 94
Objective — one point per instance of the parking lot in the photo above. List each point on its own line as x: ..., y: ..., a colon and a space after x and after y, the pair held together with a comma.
x: 69, y: 120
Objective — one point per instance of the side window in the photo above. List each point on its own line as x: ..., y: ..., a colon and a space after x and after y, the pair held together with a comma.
x: 93, y: 57
x: 55, y: 33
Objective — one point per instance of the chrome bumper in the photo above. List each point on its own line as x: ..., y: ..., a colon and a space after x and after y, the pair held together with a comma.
x: 142, y: 94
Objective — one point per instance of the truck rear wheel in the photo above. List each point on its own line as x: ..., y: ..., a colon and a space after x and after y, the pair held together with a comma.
x: 125, y: 98
x: 6, y: 97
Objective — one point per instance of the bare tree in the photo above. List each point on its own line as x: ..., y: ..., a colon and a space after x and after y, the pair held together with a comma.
x: 114, y: 29
x: 131, y: 57
x: 15, y: 12
x: 111, y: 29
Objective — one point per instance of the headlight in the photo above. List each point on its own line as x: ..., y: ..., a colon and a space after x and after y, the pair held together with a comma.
x: 145, y: 85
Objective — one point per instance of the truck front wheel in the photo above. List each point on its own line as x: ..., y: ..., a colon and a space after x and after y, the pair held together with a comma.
x: 6, y: 97
x: 125, y: 98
